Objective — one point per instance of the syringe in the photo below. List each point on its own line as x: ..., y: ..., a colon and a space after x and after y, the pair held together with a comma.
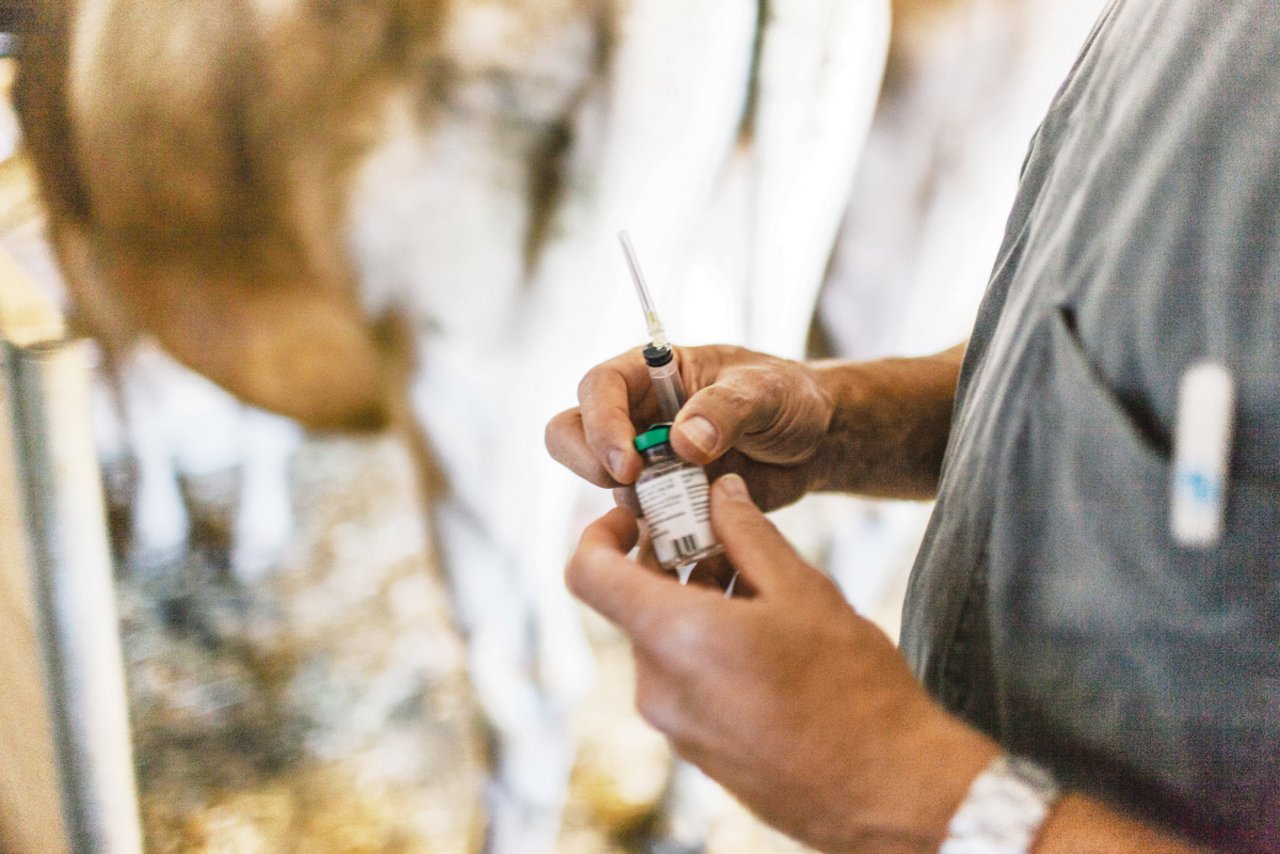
x: 664, y: 373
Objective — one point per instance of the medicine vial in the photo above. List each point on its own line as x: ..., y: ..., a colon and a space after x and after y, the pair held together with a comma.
x: 675, y: 498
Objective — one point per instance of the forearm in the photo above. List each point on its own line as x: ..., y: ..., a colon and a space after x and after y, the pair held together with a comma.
x: 950, y: 755
x: 1079, y: 825
x: 890, y: 424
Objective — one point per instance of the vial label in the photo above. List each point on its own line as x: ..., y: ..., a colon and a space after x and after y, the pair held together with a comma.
x: 677, y: 507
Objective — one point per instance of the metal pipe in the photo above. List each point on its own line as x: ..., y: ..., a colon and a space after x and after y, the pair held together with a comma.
x: 74, y: 597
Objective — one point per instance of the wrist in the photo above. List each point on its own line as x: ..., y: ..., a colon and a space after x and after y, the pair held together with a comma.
x: 937, y: 759
x: 842, y: 387
x: 889, y: 427
x: 821, y: 472
x: 952, y: 756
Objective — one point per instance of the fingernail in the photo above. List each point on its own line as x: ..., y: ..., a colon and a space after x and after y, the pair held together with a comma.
x: 733, y: 487
x: 701, y: 432
x: 615, y: 459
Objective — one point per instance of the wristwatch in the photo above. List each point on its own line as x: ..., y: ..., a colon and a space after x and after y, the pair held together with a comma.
x: 1005, y: 807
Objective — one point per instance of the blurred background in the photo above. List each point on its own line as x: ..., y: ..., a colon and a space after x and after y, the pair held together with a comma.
x: 304, y: 675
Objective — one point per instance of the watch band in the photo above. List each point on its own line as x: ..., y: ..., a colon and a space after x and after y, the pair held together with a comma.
x: 1002, y: 813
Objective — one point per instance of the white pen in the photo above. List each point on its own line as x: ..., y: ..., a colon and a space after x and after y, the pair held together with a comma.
x: 1202, y: 440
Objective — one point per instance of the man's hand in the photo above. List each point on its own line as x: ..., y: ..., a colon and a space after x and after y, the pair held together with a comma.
x: 877, y: 428
x: 801, y: 708
x: 757, y: 415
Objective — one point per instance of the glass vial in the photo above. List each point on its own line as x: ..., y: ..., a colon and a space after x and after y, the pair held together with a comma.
x: 674, y: 496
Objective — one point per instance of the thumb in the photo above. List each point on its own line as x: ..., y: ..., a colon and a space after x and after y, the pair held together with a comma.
x: 716, y: 418
x: 772, y: 411
x: 753, y: 544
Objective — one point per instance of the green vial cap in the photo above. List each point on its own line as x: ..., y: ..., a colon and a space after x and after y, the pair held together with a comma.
x: 658, y: 434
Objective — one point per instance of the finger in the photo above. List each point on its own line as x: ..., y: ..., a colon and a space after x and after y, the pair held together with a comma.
x: 625, y: 496
x: 567, y: 443
x: 606, y: 396
x: 646, y: 556
x: 644, y: 553
x: 753, y: 545
x: 718, y: 573
x: 741, y: 401
x: 640, y: 601
x: 772, y: 486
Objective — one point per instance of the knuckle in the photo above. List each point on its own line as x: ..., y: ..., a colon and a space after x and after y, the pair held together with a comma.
x: 684, y: 639
x: 732, y: 399
x: 573, y: 580
x: 774, y: 383
x: 589, y: 383
x: 766, y: 380
x: 553, y: 435
x: 610, y: 373
x: 579, y: 570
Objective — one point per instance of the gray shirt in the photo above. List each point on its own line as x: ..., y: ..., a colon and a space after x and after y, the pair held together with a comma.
x: 1049, y: 605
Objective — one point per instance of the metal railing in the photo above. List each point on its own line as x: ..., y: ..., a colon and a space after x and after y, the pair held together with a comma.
x: 66, y: 767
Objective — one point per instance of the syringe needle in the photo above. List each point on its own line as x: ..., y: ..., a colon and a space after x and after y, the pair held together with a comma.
x: 656, y: 333
x: 659, y: 356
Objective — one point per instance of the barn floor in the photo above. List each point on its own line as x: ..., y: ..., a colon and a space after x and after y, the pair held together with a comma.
x: 325, y: 708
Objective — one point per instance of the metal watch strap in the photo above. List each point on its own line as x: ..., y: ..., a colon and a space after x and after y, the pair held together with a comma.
x: 1002, y: 813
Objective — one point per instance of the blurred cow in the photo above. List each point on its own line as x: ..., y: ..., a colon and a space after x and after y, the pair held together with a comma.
x: 401, y: 213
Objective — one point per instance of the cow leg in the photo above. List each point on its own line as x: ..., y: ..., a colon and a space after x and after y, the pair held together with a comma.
x: 264, y: 521
x: 181, y: 430
x: 158, y: 520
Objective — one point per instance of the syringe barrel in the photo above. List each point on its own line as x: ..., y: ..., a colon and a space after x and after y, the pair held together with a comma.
x: 664, y: 374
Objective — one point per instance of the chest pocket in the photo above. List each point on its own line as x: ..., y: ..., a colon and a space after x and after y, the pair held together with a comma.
x: 1142, y: 671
